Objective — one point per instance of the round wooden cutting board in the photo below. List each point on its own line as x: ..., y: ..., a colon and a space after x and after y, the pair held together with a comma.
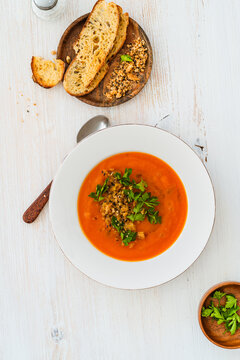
x: 97, y: 97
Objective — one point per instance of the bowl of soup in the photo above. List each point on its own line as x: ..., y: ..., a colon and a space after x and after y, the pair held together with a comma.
x: 132, y: 206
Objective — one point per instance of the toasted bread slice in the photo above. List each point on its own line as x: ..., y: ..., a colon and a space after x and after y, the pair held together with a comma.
x: 119, y: 41
x: 95, y: 42
x: 47, y: 73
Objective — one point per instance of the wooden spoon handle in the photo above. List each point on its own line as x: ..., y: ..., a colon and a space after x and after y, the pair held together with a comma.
x: 36, y: 207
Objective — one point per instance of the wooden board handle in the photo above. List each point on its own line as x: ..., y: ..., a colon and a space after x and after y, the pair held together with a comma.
x: 36, y: 207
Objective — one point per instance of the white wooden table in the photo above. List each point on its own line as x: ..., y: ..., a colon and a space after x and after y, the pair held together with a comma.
x: 49, y: 309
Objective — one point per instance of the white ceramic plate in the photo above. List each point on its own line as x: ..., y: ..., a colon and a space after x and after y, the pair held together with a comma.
x: 123, y: 274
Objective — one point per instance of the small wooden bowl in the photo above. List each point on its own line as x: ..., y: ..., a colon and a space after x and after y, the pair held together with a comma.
x: 210, y: 327
x: 97, y: 97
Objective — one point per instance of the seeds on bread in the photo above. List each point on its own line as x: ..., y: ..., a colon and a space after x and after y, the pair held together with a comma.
x: 46, y: 72
x: 95, y: 42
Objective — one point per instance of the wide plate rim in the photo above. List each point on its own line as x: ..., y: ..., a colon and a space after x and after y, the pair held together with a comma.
x: 138, y: 126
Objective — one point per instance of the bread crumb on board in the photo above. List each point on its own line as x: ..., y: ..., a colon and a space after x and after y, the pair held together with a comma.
x: 53, y: 52
x: 128, y: 71
x: 68, y: 59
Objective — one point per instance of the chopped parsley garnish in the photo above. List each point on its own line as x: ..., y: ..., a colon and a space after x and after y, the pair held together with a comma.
x: 126, y: 235
x: 126, y: 58
x: 118, y: 192
x: 141, y: 185
x: 226, y: 313
x: 125, y: 179
x: 153, y: 216
x: 100, y: 190
x: 136, y: 217
x: 145, y: 203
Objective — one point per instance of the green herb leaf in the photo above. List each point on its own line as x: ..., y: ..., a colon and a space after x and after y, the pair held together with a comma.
x: 118, y: 175
x: 126, y: 235
x: 216, y: 313
x: 231, y: 301
x: 93, y: 195
x: 237, y: 317
x: 152, y: 201
x: 100, y: 190
x: 136, y: 217
x: 145, y: 196
x: 141, y: 185
x: 126, y: 58
x: 125, y: 179
x: 153, y: 217
x: 130, y: 194
x: 206, y: 312
x: 138, y: 207
x: 127, y: 173
x: 218, y: 295
x: 116, y: 224
x: 230, y: 312
x: 233, y: 327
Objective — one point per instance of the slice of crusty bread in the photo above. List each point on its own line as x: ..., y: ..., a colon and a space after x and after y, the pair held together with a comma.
x: 119, y: 41
x: 121, y: 34
x: 95, y: 42
x: 47, y: 73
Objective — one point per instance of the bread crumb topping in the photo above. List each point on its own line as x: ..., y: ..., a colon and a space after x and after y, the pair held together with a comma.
x: 127, y: 73
x: 115, y: 202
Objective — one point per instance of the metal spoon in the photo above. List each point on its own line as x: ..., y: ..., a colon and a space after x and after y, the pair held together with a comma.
x: 95, y: 124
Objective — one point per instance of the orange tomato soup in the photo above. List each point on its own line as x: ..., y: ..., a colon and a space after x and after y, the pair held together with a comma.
x: 162, y: 182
